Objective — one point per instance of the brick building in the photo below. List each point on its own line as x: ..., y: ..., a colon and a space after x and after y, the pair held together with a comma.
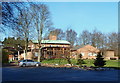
x: 109, y: 54
x: 51, y: 48
x: 90, y: 52
x: 87, y: 51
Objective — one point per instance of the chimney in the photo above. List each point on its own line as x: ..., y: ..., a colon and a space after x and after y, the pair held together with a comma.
x: 52, y: 37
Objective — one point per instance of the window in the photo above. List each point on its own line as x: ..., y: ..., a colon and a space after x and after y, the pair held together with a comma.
x: 50, y: 53
x: 49, y: 48
x: 73, y: 55
x: 24, y: 60
x: 58, y: 48
x: 82, y: 54
x: 94, y: 54
x: 36, y: 54
x: 89, y: 54
x: 30, y: 61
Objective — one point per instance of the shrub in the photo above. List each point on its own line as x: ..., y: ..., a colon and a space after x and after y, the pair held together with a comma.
x: 80, y: 60
x: 99, y: 62
x: 5, y: 56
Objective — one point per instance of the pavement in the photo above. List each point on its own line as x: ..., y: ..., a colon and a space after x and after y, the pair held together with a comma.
x: 15, y: 73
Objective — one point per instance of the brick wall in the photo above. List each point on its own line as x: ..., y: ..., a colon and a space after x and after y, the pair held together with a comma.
x: 52, y: 37
x: 88, y: 52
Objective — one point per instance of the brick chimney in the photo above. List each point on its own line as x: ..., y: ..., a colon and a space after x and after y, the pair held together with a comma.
x: 52, y: 37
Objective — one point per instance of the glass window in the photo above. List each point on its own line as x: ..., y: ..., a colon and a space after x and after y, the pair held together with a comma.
x: 89, y: 54
x: 24, y: 60
x: 36, y: 54
x: 94, y: 54
x: 82, y: 54
x: 30, y: 61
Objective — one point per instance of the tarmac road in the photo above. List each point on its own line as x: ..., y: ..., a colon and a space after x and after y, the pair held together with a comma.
x: 56, y: 74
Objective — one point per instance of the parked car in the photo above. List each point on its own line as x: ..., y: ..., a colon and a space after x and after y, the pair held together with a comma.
x: 27, y: 62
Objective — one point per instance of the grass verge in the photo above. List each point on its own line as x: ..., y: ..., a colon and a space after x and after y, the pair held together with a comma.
x: 109, y: 63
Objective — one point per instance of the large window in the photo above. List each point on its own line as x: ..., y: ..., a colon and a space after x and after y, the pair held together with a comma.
x: 50, y: 52
x: 30, y: 61
x: 82, y: 53
x: 89, y: 54
x: 94, y: 54
x: 36, y: 53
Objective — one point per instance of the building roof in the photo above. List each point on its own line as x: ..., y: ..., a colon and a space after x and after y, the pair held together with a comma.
x: 52, y: 41
x: 77, y: 47
x: 86, y: 48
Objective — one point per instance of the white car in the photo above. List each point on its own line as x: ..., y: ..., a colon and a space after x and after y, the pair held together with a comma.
x: 27, y: 62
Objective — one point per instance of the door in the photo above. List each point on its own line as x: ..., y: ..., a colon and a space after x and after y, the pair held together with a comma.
x: 29, y: 63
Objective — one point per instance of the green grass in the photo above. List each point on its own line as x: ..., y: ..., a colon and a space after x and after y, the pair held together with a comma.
x: 109, y: 63
x: 112, y: 63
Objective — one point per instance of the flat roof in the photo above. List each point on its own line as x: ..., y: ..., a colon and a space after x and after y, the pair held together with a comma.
x: 52, y: 41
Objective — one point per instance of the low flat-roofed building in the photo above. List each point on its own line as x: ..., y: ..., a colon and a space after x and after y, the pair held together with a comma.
x: 52, y: 48
x: 87, y: 51
x: 109, y: 55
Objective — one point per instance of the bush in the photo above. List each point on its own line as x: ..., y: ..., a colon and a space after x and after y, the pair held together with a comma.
x: 99, y: 61
x: 80, y: 60
x: 5, y: 56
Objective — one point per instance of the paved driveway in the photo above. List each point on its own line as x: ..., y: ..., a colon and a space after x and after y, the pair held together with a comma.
x: 56, y: 74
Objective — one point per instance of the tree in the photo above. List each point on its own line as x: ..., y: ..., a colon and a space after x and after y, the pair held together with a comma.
x: 42, y: 22
x: 1, y: 26
x: 59, y: 33
x: 18, y: 17
x: 99, y: 62
x: 12, y: 42
x: 5, y: 56
x: 24, y: 26
x: 67, y: 57
x: 80, y: 61
x: 10, y: 12
x: 96, y: 38
x: 85, y: 37
x: 71, y: 36
x: 113, y: 42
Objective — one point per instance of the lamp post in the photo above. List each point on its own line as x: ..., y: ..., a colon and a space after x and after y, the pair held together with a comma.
x: 18, y: 52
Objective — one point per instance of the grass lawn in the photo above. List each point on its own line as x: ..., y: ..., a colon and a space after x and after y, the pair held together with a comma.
x: 112, y: 63
x: 109, y: 63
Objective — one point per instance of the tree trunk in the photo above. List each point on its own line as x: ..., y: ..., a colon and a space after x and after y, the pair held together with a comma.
x: 39, y: 55
x: 26, y: 47
x: 24, y: 55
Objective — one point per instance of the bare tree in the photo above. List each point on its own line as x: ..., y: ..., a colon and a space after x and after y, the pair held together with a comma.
x: 10, y: 12
x: 24, y: 26
x: 59, y: 33
x: 113, y: 42
x: 42, y: 22
x: 96, y: 38
x: 85, y: 37
x: 71, y: 36
x: 103, y: 42
x: 18, y: 17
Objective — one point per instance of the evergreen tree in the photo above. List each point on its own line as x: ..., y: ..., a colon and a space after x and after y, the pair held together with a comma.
x: 5, y: 56
x: 99, y: 62
x: 12, y: 42
x: 80, y: 60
